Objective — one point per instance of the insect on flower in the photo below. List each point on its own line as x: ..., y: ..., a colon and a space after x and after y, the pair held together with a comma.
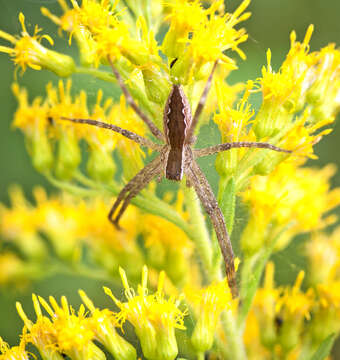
x: 177, y: 158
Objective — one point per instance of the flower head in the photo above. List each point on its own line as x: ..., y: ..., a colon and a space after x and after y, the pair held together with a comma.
x: 290, y: 196
x: 67, y: 332
x: 13, y: 353
x: 208, y: 304
x: 154, y: 317
x: 28, y: 52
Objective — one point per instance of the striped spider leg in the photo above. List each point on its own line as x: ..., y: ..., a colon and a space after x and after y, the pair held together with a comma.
x: 177, y: 158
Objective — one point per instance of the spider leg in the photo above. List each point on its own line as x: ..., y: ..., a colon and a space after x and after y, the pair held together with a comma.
x: 204, y: 192
x: 128, y: 134
x: 200, y: 106
x: 153, y: 128
x: 227, y: 146
x: 133, y: 187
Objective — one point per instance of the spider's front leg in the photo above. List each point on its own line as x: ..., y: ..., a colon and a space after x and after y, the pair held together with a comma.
x: 210, y: 150
x: 133, y: 187
x: 204, y: 192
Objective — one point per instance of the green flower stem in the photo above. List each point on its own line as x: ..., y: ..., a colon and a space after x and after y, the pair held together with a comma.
x: 136, y: 93
x: 73, y: 189
x: 147, y: 11
x: 58, y: 267
x: 236, y: 348
x: 199, y: 232
x: 252, y: 270
x: 200, y: 356
x: 226, y: 200
x: 98, y: 74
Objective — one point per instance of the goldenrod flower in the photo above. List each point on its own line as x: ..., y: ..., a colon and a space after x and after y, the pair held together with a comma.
x: 326, y: 314
x: 291, y: 197
x: 13, y: 353
x: 265, y: 307
x: 153, y: 317
x: 208, y: 304
x: 67, y: 332
x: 28, y: 52
x: 12, y: 270
x: 294, y: 307
x: 168, y: 246
x: 324, y: 93
x: 103, y: 323
x: 303, y: 79
x: 234, y: 126
x: 154, y: 45
x: 19, y: 225
x: 323, y: 252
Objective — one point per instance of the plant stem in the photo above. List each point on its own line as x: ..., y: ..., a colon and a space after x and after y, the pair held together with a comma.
x: 99, y: 74
x: 226, y: 199
x: 199, y: 232
x: 236, y: 349
x: 200, y: 356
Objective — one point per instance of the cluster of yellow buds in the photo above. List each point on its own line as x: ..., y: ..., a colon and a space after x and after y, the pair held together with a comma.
x: 187, y: 310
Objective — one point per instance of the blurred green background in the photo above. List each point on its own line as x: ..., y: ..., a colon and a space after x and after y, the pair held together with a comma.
x: 269, y: 27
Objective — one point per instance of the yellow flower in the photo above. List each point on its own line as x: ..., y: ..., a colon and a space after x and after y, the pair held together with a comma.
x: 13, y: 353
x: 294, y: 307
x: 323, y: 252
x: 208, y: 304
x: 103, y: 323
x: 294, y: 302
x: 323, y: 94
x: 19, y: 225
x: 67, y: 332
x: 292, y: 197
x: 153, y: 317
x: 28, y: 52
x: 326, y: 314
x: 265, y: 308
x: 12, y: 269
x: 217, y: 34
x: 234, y: 126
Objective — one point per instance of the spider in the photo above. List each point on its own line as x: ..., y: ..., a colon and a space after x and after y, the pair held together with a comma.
x: 177, y: 158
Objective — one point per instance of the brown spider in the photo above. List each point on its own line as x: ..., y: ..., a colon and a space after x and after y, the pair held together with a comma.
x: 177, y: 158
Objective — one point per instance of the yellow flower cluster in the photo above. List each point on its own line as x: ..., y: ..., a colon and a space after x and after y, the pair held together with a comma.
x: 72, y: 333
x: 36, y: 121
x: 289, y: 201
x: 278, y: 318
x: 70, y: 224
x: 154, y: 44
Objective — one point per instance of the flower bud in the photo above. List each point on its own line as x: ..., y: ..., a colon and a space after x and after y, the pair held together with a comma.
x: 41, y: 152
x: 62, y: 65
x: 68, y: 156
x: 156, y: 85
x: 203, y: 335
x: 100, y: 165
x: 166, y: 344
x: 226, y: 163
x: 252, y: 238
x: 270, y: 120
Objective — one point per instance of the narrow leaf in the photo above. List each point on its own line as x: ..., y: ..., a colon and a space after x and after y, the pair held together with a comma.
x: 325, y: 348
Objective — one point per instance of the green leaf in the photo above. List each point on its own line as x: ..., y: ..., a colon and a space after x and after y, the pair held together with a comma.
x: 226, y: 200
x: 324, y: 348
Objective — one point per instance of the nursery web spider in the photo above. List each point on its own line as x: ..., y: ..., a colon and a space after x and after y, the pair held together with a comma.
x: 177, y: 157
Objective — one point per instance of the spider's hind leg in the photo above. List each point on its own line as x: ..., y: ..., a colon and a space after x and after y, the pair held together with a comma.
x: 209, y: 202
x: 132, y: 188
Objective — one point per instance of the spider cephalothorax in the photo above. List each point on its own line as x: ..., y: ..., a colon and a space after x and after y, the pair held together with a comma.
x: 177, y: 158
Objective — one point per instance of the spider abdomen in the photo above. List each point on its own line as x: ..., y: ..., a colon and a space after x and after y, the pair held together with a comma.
x: 177, y: 120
